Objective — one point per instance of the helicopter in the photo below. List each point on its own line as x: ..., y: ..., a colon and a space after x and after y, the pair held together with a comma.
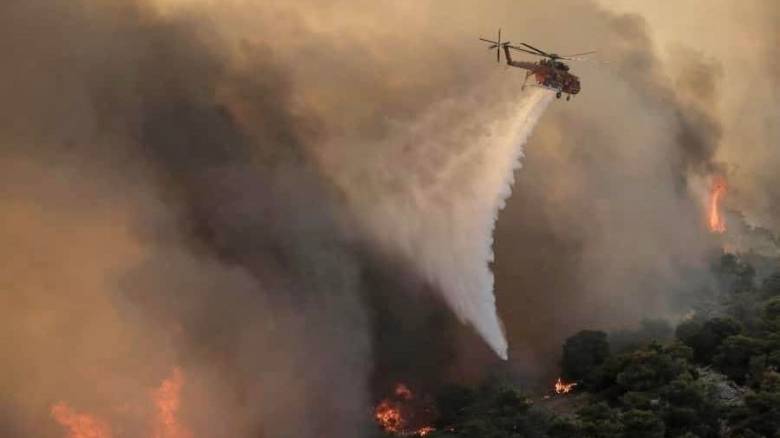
x: 550, y: 73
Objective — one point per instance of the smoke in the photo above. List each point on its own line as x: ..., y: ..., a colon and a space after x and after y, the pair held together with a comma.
x: 283, y: 200
x: 613, y: 195
x: 152, y: 228
x: 177, y: 206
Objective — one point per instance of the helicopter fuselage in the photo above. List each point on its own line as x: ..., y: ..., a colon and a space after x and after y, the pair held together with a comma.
x: 550, y: 77
x: 550, y: 74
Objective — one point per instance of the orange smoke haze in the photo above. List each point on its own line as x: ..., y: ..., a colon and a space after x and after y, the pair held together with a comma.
x: 79, y: 425
x: 715, y: 218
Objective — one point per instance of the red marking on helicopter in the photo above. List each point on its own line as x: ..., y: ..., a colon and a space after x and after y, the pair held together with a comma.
x: 551, y: 73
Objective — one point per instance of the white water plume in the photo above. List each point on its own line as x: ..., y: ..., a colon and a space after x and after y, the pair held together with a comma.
x: 431, y: 194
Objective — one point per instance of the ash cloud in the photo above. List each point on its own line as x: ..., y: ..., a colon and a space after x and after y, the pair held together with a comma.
x: 181, y: 236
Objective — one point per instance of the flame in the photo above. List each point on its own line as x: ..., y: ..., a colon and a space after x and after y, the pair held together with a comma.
x: 167, y: 400
x: 388, y: 415
x: 396, y: 414
x: 562, y: 387
x: 715, y: 219
x: 79, y: 425
x: 425, y: 430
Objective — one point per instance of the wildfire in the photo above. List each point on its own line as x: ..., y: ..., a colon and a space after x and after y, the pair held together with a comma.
x: 388, y: 415
x: 79, y: 425
x: 715, y: 219
x: 562, y: 387
x: 167, y: 400
x: 401, y: 414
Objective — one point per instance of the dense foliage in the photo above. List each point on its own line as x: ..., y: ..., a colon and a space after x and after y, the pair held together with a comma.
x: 717, y: 376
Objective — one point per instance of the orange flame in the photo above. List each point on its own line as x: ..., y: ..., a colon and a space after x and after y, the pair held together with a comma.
x: 388, y: 415
x: 79, y: 425
x: 396, y: 414
x: 562, y: 387
x: 715, y: 219
x: 425, y: 430
x: 167, y: 399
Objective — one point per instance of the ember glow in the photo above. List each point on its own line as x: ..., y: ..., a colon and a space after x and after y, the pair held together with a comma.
x: 403, y: 414
x: 79, y: 425
x: 402, y: 391
x: 167, y: 400
x: 562, y: 387
x: 423, y: 431
x: 715, y: 218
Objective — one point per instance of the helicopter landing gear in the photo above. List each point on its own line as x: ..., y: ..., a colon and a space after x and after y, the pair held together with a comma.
x: 525, y: 80
x: 558, y: 95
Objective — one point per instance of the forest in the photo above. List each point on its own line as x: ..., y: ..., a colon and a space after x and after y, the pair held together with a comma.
x: 714, y: 374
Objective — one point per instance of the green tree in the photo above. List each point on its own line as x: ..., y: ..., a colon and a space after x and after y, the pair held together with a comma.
x: 642, y: 424
x: 653, y: 367
x: 688, y: 406
x: 736, y: 357
x: 599, y: 420
x: 583, y: 353
x: 561, y: 427
x: 761, y: 414
x: 771, y: 316
x: 495, y: 410
x: 705, y: 337
x: 734, y: 274
x: 770, y: 287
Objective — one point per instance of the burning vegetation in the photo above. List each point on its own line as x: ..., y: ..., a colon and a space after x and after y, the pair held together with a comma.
x: 166, y: 424
x: 79, y: 425
x: 562, y: 387
x: 713, y: 372
x: 715, y: 219
x: 167, y: 400
x: 404, y: 414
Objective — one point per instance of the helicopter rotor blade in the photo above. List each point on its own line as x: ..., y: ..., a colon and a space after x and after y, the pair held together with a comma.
x: 498, y: 47
x: 526, y: 51
x: 488, y: 41
x: 579, y: 54
x: 537, y: 50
